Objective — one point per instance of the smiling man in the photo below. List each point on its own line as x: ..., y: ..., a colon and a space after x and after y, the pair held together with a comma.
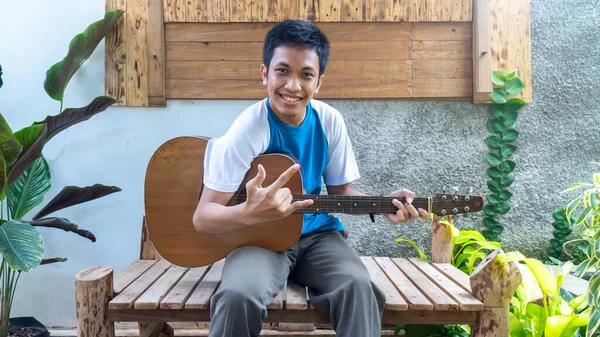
x: 291, y: 122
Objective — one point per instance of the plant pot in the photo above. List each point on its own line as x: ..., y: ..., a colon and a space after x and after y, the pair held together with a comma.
x: 27, y: 327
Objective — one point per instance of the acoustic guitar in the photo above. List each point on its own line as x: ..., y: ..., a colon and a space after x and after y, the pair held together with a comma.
x: 173, y: 185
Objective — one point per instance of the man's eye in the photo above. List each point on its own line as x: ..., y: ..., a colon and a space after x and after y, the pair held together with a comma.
x: 308, y: 75
x: 283, y: 71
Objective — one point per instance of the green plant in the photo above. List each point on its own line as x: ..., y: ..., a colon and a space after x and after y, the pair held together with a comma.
x: 505, y: 112
x: 562, y: 231
x: 540, y: 307
x: 586, y: 210
x: 25, y: 176
x: 593, y: 299
x: 469, y: 247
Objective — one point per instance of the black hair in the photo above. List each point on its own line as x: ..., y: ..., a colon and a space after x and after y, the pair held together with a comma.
x: 299, y: 34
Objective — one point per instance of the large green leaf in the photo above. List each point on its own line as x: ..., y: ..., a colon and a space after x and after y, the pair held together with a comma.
x: 3, y: 182
x: 498, y: 78
x: 494, y: 142
x: 9, y: 145
x: 499, y: 95
x: 509, y: 135
x: 506, y: 180
x: 504, y: 195
x: 514, y: 85
x: 21, y: 245
x: 563, y: 325
x: 507, y: 150
x: 493, y: 159
x: 544, y: 276
x: 28, y: 191
x: 593, y: 329
x: 495, y: 125
x: 70, y: 117
x: 65, y: 225
x: 494, y: 172
x: 28, y: 135
x: 27, y: 157
x: 73, y: 195
x: 80, y: 49
x: 507, y: 166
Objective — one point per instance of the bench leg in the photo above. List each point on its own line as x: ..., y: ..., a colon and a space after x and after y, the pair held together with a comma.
x: 494, y: 283
x: 93, y: 290
x: 155, y: 329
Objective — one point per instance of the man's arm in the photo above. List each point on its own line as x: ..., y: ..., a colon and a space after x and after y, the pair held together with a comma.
x: 406, y: 212
x: 262, y: 204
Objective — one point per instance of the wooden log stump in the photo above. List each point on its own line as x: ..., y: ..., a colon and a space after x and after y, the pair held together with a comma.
x: 93, y: 291
x: 441, y: 241
x: 494, y: 283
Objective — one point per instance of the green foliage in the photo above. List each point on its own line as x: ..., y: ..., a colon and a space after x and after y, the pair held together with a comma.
x: 541, y: 308
x: 593, y: 299
x: 25, y: 176
x: 505, y: 112
x: 422, y: 330
x: 586, y: 210
x: 562, y: 231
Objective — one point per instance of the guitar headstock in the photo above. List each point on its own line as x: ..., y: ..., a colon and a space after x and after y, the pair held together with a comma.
x: 450, y: 204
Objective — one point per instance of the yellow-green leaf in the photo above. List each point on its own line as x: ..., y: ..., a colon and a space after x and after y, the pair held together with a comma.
x: 543, y: 275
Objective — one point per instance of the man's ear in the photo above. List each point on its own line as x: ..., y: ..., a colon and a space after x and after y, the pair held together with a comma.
x: 263, y: 73
x: 320, y: 82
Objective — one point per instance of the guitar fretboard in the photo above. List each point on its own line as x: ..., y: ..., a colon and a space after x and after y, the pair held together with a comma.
x: 356, y: 204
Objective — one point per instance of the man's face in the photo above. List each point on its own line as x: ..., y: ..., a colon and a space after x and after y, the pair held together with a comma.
x: 292, y: 80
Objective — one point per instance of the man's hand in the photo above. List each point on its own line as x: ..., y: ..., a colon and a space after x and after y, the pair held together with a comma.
x: 406, y: 211
x: 273, y: 202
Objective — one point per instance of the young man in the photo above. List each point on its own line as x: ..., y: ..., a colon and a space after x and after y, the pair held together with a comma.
x: 289, y: 121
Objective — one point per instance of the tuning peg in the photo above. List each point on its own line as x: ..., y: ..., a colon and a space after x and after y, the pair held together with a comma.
x: 469, y: 190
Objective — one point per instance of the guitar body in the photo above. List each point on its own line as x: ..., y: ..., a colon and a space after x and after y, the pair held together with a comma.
x: 172, y: 188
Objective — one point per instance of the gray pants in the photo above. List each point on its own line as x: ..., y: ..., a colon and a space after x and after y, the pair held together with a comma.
x: 338, y: 283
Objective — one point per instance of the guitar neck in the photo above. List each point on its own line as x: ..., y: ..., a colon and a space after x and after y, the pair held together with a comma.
x: 356, y: 204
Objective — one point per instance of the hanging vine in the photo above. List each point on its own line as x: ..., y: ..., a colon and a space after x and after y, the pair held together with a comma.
x: 501, y: 149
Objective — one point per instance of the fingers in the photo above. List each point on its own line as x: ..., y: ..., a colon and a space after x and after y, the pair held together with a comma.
x: 283, y: 179
x: 407, y: 211
x: 300, y: 204
x: 257, y: 181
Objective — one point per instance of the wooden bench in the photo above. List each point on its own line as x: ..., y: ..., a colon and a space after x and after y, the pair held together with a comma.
x: 152, y: 292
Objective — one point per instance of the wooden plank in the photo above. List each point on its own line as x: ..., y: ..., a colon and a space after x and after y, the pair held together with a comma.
x: 417, y: 10
x: 374, y: 10
x: 255, y: 32
x: 329, y: 10
x: 439, y: 88
x: 349, y: 70
x: 413, y: 296
x: 441, y: 50
x: 196, y: 11
x: 393, y: 299
x: 291, y: 9
x: 248, y: 51
x: 466, y: 13
x: 465, y: 300
x: 115, y: 53
x: 170, y: 10
x: 482, y: 51
x: 511, y: 40
x: 352, y: 10
x: 368, y: 88
x: 176, y: 298
x: 396, y: 10
x: 215, y: 89
x: 309, y: 10
x: 131, y: 273
x: 126, y: 298
x: 200, y: 298
x: 137, y: 53
x: 240, y: 11
x: 434, y: 10
x: 295, y: 297
x: 269, y: 10
x: 277, y: 301
x: 451, y: 31
x: 441, y: 69
x: 439, y: 299
x: 156, y: 52
x: 299, y: 316
x: 217, y: 10
x: 454, y: 274
x: 152, y: 297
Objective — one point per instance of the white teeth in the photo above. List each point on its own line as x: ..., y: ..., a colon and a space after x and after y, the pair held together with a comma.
x: 290, y: 99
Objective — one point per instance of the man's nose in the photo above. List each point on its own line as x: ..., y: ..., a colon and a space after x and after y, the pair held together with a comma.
x: 293, y: 84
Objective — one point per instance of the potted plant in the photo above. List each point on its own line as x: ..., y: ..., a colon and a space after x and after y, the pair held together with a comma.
x: 25, y: 179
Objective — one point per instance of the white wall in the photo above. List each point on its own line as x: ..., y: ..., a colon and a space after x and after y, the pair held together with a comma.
x: 112, y: 148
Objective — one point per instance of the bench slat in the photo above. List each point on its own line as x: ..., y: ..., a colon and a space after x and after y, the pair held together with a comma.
x: 151, y: 298
x: 394, y: 300
x: 277, y: 301
x: 130, y: 273
x: 455, y: 275
x: 465, y: 300
x: 200, y: 298
x: 440, y: 300
x: 176, y: 298
x: 126, y: 298
x: 295, y: 297
x: 416, y: 300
